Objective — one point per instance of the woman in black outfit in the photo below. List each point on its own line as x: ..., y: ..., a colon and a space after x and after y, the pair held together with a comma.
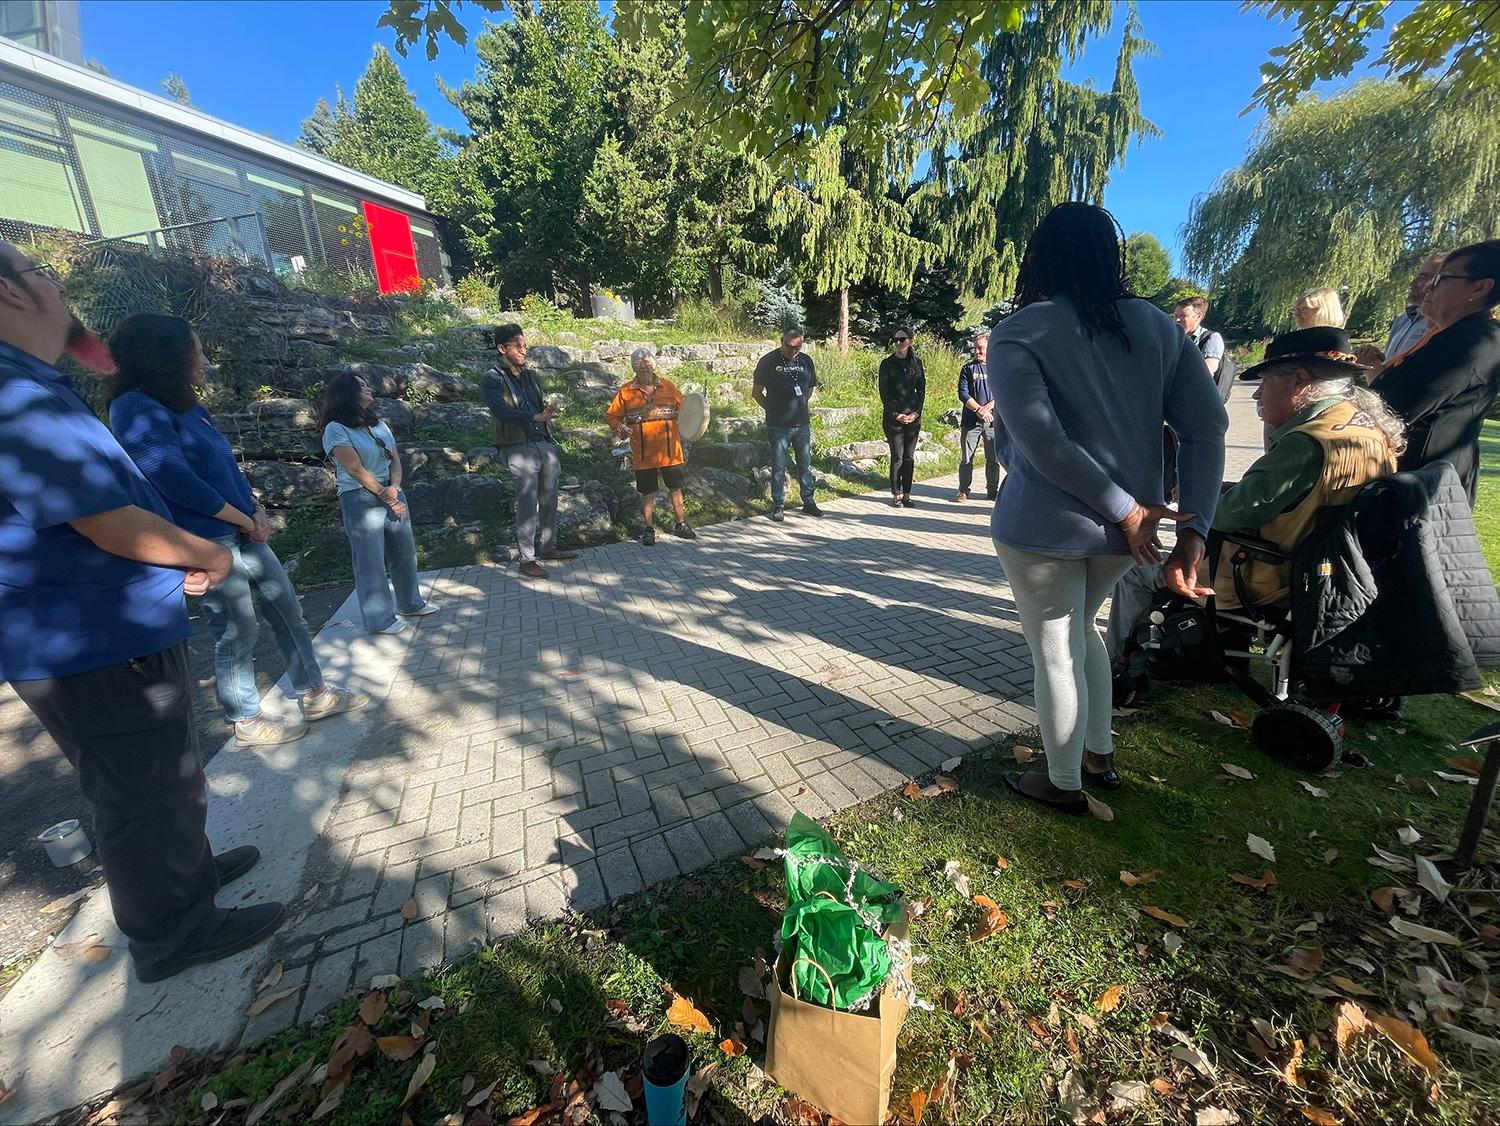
x: 903, y: 387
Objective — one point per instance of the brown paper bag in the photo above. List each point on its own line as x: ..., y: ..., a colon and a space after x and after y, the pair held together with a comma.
x: 840, y: 1062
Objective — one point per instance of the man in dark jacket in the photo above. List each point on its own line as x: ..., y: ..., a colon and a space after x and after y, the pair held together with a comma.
x: 978, y: 422
x: 523, y: 436
x: 1445, y: 386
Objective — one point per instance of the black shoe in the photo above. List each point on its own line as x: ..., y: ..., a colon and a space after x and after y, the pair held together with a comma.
x: 648, y: 537
x: 1104, y: 779
x: 242, y: 928
x: 235, y: 863
x: 810, y: 508
x: 684, y: 531
x: 992, y: 496
x: 907, y: 502
x: 778, y: 514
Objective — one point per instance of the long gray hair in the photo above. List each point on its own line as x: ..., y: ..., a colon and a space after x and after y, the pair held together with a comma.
x: 1368, y: 401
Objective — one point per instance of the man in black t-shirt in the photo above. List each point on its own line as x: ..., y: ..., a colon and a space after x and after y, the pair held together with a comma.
x: 784, y: 382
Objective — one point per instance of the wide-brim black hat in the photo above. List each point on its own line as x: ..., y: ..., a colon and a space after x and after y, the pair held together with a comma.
x: 1324, y: 343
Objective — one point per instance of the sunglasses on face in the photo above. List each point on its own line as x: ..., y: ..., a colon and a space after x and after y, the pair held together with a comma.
x: 1441, y: 278
x: 903, y: 340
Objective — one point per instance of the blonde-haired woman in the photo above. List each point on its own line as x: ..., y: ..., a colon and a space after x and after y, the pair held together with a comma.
x: 1319, y: 307
x: 645, y: 412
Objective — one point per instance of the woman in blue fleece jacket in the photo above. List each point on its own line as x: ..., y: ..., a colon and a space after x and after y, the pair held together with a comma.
x: 157, y: 418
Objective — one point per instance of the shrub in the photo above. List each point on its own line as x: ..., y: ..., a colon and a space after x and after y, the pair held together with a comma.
x: 777, y: 308
x: 707, y: 321
x: 474, y: 291
x: 538, y: 312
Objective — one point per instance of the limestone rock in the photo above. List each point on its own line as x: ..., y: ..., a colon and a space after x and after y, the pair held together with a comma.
x: 854, y: 451
x: 926, y: 457
x: 275, y: 429
x: 728, y: 362
x: 281, y: 484
x: 729, y: 455
x: 397, y: 415
x: 483, y: 458
x: 425, y: 383
x: 424, y: 501
x: 593, y: 384
x: 740, y: 427
x: 835, y: 416
x: 453, y: 416
x: 555, y: 357
x: 432, y: 463
x: 587, y: 512
x: 309, y: 354
x: 726, y: 393
x: 953, y: 416
x: 473, y: 496
x: 384, y: 380
x: 719, y: 486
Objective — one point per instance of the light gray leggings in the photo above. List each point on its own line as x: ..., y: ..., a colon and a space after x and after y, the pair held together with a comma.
x: 1058, y: 601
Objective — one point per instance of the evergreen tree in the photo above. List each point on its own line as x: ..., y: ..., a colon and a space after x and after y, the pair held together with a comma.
x: 536, y: 114
x: 384, y: 132
x: 1332, y: 194
x: 320, y: 130
x: 1038, y: 140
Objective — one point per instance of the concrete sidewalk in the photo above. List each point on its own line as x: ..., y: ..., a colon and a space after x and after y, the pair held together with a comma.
x: 551, y: 745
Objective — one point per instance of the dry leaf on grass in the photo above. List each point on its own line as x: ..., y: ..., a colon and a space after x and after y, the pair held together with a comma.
x: 1131, y: 880
x: 1330, y: 855
x: 1315, y: 791
x: 74, y: 949
x: 953, y: 872
x: 1171, y: 942
x: 1308, y: 959
x: 1410, y: 1041
x: 683, y: 1014
x: 1423, y: 934
x: 373, y: 1007
x: 1002, y: 863
x: 732, y: 1047
x: 1100, y: 811
x: 918, y: 1102
x: 1128, y: 1096
x: 263, y: 1003
x: 1431, y: 879
x: 385, y: 981
x: 1408, y: 835
x: 481, y: 1096
x: 1165, y: 916
x: 1320, y: 1116
x: 1291, y: 1071
x: 1109, y: 1000
x: 1349, y: 986
x: 420, y: 1076
x: 697, y: 1085
x: 1022, y: 754
x: 752, y: 982
x: 1265, y: 881
x: 610, y: 1094
x: 1220, y: 717
x: 1487, y: 1044
x: 944, y: 783
x: 1462, y: 779
x: 1168, y: 749
x: 398, y: 1049
x: 913, y: 791
x: 1261, y: 847
x: 994, y: 920
x: 1465, y: 765
x: 1073, y: 1099
x: 1237, y: 771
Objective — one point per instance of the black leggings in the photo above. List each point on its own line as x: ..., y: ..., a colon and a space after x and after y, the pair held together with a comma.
x: 903, y: 443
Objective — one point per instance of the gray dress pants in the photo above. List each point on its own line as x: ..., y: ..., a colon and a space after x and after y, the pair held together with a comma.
x: 536, y: 468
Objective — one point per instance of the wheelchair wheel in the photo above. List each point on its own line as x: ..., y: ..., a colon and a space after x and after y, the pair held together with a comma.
x: 1294, y: 733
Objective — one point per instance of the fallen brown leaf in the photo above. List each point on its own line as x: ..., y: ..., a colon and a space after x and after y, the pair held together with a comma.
x: 1168, y: 749
x: 1320, y: 1116
x: 1109, y: 1000
x: 1050, y: 908
x: 1236, y: 771
x: 1002, y: 863
x: 682, y: 1014
x: 918, y: 1102
x: 994, y: 920
x: 97, y: 953
x: 1034, y: 1026
x: 272, y: 978
x: 1099, y: 809
x: 1350, y: 1021
x: 61, y: 904
x: 1385, y: 898
x: 1423, y: 934
x: 1131, y: 880
x: 536, y: 1114
x: 913, y: 791
x: 753, y: 862
x: 1353, y: 988
x: 372, y: 1008
x: 1410, y: 1041
x: 1465, y: 765
x: 1163, y: 1087
x: 1076, y: 885
x: 1072, y: 1039
x: 1265, y: 881
x: 946, y: 784
x: 1165, y: 916
x: 1308, y: 959
x: 1022, y: 754
x: 409, y: 910
x: 73, y: 949
x: 732, y: 1047
x: 263, y: 1003
x: 398, y: 1048
x: 420, y: 1076
x: 1290, y: 1072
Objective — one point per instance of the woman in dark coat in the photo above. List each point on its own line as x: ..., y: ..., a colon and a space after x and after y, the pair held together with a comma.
x: 1445, y: 386
x: 903, y: 389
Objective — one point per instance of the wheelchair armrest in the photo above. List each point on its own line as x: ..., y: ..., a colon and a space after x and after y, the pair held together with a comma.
x: 1253, y: 547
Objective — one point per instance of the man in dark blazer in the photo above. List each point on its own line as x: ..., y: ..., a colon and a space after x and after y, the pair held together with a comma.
x: 1445, y: 386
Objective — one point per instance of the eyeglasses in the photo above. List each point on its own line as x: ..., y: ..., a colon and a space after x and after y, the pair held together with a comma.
x: 903, y: 340
x: 46, y: 270
x: 1441, y: 278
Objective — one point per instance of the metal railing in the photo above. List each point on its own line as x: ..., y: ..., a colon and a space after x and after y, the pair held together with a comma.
x: 156, y: 238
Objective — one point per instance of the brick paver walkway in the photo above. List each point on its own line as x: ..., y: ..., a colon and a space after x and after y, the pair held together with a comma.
x: 648, y: 710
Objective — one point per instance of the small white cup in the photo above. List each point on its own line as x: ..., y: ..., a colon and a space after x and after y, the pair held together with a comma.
x: 66, y: 843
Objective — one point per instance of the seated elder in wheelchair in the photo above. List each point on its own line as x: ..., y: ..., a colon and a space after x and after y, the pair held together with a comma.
x: 1309, y: 515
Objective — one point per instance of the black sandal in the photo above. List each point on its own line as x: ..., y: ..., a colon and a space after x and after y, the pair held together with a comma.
x: 1104, y: 779
x: 1072, y: 809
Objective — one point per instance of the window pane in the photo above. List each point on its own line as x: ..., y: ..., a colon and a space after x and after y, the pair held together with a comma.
x: 117, y: 181
x: 37, y: 184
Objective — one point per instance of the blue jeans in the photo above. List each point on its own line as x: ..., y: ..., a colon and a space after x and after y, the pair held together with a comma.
x: 800, y: 438
x: 230, y: 608
x: 385, y: 553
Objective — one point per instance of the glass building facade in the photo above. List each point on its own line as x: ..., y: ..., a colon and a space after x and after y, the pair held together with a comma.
x: 86, y: 154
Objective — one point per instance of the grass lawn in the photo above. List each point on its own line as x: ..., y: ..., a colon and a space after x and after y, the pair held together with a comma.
x: 1024, y: 1017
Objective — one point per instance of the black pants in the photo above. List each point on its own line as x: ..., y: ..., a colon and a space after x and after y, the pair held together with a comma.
x: 903, y: 443
x: 969, y: 443
x: 128, y: 731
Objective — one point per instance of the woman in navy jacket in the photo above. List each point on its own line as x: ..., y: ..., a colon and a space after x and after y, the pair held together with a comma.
x: 156, y: 416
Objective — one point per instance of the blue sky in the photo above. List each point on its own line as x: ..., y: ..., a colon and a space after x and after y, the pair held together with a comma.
x: 263, y: 65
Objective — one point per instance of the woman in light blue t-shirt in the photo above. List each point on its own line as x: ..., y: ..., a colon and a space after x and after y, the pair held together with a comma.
x: 374, y: 507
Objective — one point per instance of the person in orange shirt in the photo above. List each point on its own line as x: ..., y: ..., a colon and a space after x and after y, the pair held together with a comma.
x: 645, y: 412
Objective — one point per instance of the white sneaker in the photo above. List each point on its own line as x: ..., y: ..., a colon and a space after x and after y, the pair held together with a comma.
x: 427, y: 608
x: 398, y: 626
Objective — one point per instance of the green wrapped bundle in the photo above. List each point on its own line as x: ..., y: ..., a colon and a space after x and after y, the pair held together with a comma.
x: 835, y: 922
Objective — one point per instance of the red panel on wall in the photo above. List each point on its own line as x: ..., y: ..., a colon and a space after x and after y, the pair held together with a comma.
x: 392, y: 247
